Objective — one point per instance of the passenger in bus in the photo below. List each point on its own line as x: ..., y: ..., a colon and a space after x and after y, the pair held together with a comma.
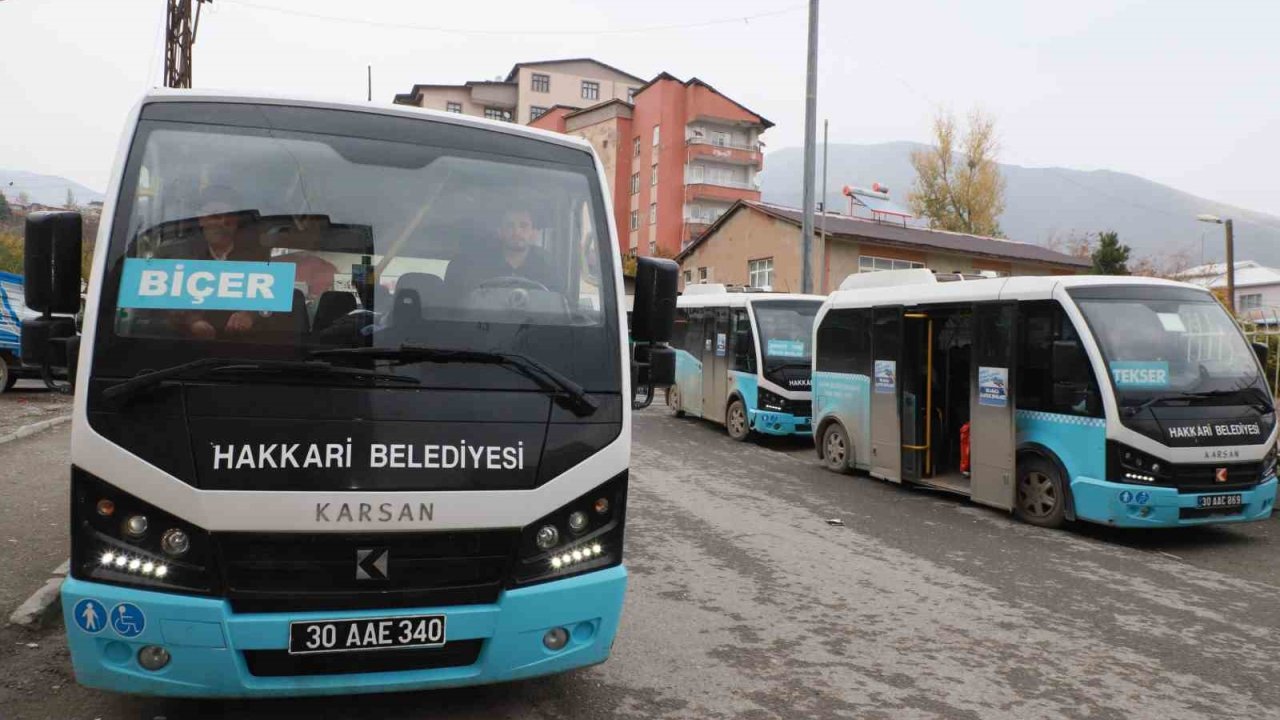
x: 222, y: 237
x: 512, y: 255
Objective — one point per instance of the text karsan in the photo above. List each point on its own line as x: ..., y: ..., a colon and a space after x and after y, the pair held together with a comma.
x: 407, y: 456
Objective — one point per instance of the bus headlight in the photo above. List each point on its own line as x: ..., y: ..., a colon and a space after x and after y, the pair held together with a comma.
x: 1134, y: 466
x: 588, y: 536
x: 768, y: 400
x: 1269, y: 463
x: 104, y: 549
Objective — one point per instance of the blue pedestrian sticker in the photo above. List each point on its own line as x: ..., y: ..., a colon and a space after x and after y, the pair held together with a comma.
x: 1126, y: 497
x: 1142, y: 497
x: 127, y: 620
x: 90, y: 616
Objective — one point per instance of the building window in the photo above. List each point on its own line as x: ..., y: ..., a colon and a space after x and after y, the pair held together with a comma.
x: 760, y: 273
x: 1252, y: 301
x: 631, y: 94
x: 688, y: 276
x: 702, y: 274
x: 494, y: 113
x: 453, y: 107
x: 635, y: 147
x: 536, y: 112
x: 867, y: 263
x: 590, y: 90
x: 635, y: 183
x: 656, y: 133
x: 541, y: 83
x: 653, y: 175
x: 653, y: 248
x: 635, y: 219
x: 653, y: 213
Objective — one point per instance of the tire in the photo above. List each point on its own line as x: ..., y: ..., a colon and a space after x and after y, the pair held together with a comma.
x: 674, y: 401
x: 1041, y: 497
x: 7, y: 376
x: 735, y: 421
x: 836, y: 452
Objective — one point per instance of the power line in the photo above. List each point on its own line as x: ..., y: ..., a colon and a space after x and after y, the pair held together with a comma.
x: 521, y: 32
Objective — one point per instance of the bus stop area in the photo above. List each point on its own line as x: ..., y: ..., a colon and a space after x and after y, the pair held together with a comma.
x: 762, y: 585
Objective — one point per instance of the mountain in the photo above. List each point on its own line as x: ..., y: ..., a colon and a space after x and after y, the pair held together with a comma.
x: 44, y: 189
x: 1046, y: 203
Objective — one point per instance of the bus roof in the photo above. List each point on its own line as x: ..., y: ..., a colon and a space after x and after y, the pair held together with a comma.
x: 162, y: 95
x: 915, y: 289
x: 712, y: 295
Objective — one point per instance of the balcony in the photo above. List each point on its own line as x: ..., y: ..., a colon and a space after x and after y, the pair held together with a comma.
x: 726, y: 192
x: 700, y: 149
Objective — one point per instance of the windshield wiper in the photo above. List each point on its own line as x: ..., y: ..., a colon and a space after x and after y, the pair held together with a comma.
x: 204, y: 366
x: 1262, y: 405
x: 569, y: 393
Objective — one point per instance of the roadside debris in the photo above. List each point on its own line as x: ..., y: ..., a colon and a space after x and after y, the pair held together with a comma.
x: 835, y: 521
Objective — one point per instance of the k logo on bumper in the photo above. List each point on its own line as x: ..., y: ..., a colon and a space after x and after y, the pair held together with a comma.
x: 371, y: 564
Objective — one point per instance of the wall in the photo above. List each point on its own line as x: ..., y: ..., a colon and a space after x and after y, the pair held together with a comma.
x: 566, y: 86
x: 435, y: 98
x: 749, y: 235
x: 607, y: 136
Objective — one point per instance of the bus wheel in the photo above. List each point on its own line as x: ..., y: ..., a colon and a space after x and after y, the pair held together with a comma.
x: 7, y: 377
x: 673, y: 401
x: 1041, y: 494
x: 835, y: 448
x: 736, y: 421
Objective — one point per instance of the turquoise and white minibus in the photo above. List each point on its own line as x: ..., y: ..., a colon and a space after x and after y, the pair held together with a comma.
x: 743, y: 359
x: 1124, y: 401
x: 353, y: 401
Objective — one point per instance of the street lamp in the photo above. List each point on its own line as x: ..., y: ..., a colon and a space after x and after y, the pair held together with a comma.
x: 1231, y: 258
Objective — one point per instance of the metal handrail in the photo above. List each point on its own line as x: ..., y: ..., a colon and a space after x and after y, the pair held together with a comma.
x: 733, y: 146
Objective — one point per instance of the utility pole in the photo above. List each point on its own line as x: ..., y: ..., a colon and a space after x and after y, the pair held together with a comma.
x: 180, y: 36
x: 822, y: 249
x: 370, y: 83
x: 1231, y: 256
x: 810, y: 131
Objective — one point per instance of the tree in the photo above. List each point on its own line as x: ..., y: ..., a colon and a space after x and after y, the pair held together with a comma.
x: 6, y: 212
x: 958, y: 184
x: 1110, y: 257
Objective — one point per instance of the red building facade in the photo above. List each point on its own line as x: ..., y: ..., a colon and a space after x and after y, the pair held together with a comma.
x: 677, y: 157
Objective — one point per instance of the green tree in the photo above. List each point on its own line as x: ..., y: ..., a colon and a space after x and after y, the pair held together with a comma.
x: 1110, y: 257
x: 6, y: 212
x: 958, y: 183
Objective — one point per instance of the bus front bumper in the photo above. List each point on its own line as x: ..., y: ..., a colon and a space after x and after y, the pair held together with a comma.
x: 209, y: 645
x: 777, y: 423
x: 1128, y: 505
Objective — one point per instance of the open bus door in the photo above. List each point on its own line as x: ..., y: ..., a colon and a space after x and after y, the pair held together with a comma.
x: 991, y: 435
x: 886, y: 393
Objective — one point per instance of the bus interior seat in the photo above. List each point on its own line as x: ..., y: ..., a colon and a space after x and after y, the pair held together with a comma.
x: 406, y: 310
x: 429, y: 288
x: 332, y: 305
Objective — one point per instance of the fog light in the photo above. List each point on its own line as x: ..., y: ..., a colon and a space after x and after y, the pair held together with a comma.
x: 547, y: 537
x: 555, y: 638
x: 578, y: 521
x: 136, y: 526
x: 175, y: 542
x: 106, y: 508
x: 601, y: 506
x: 153, y: 657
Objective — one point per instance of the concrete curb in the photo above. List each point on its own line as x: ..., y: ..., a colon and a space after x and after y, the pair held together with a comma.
x: 34, y: 428
x: 43, y: 605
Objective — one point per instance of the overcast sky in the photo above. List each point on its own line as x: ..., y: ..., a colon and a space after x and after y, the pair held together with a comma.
x: 1182, y: 92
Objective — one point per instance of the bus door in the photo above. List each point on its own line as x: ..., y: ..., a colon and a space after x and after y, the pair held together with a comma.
x: 886, y: 393
x: 694, y: 340
x: 715, y: 364
x: 992, y: 446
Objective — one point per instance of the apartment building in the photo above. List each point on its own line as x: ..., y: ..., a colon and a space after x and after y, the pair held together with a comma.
x: 529, y: 90
x: 679, y: 155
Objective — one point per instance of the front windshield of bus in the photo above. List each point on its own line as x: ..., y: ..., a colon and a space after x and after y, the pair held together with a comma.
x: 266, y: 243
x: 786, y: 332
x: 1163, y: 342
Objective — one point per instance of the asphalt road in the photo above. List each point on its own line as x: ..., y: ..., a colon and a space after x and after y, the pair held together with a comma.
x: 745, y: 603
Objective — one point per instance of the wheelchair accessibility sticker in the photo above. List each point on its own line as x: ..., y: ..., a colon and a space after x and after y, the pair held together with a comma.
x: 90, y: 616
x: 127, y: 620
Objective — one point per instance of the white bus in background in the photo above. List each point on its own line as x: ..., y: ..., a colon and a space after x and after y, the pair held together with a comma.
x: 353, y: 401
x: 1124, y: 401
x: 743, y: 359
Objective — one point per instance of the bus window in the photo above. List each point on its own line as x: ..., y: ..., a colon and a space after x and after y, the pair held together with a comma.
x: 1053, y: 369
x: 744, y: 349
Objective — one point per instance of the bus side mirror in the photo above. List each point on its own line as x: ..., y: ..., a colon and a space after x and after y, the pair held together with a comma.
x: 658, y: 365
x: 653, y: 314
x: 51, y: 269
x: 1263, y: 351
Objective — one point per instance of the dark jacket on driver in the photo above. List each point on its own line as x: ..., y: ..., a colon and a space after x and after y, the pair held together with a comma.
x: 468, y: 271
